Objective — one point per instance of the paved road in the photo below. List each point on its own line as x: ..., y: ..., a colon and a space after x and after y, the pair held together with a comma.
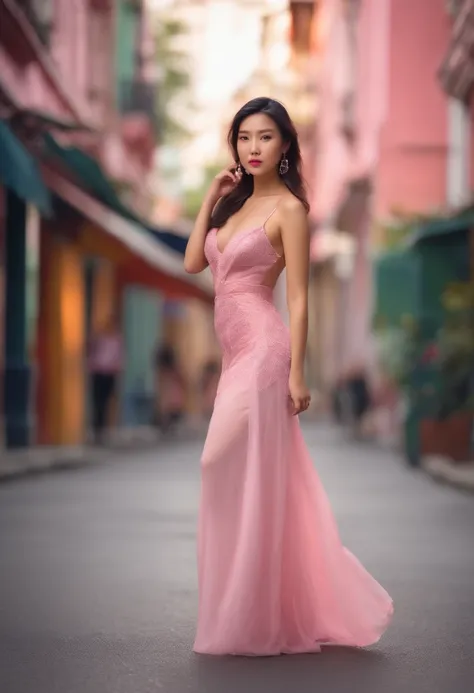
x: 98, y: 587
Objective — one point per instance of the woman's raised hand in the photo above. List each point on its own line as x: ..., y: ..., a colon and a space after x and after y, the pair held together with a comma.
x: 224, y: 182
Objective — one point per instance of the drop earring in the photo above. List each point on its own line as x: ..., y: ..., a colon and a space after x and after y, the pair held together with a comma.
x: 284, y: 165
x: 239, y: 169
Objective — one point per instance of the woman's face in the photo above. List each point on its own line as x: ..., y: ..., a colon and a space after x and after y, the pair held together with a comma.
x: 259, y: 144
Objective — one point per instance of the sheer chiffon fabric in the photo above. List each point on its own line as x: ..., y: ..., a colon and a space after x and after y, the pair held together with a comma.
x: 273, y: 574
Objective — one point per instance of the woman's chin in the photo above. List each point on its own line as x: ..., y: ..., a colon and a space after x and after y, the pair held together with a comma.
x: 260, y: 172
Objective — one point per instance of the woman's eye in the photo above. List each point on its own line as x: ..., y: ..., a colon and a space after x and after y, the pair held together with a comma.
x: 267, y: 137
x: 242, y: 137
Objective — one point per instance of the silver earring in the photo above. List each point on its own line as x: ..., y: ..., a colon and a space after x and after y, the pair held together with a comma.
x: 239, y: 169
x: 284, y: 165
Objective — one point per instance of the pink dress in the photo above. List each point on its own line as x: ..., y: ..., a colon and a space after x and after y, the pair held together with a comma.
x: 273, y: 575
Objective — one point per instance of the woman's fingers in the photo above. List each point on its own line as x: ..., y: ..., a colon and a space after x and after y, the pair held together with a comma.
x: 232, y: 176
x: 300, y: 404
x: 232, y: 168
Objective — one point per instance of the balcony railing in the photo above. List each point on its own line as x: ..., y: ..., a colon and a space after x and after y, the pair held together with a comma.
x: 139, y: 96
x: 454, y: 6
x: 457, y: 70
x: 41, y: 16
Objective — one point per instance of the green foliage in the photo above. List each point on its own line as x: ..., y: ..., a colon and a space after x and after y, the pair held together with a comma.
x: 193, y: 198
x: 437, y: 375
x: 399, y: 349
x: 174, y: 77
x: 456, y: 349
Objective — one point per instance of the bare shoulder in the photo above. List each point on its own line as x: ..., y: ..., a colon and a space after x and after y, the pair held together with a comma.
x: 290, y: 204
x: 292, y: 212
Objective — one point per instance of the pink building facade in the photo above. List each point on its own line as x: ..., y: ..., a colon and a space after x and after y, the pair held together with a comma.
x: 387, y: 139
x: 77, y: 136
x: 70, y: 76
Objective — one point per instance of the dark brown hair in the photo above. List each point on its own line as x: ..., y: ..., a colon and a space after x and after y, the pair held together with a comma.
x: 293, y: 179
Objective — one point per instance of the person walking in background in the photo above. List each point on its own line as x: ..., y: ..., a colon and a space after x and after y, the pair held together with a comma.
x: 208, y: 389
x: 170, y: 389
x: 105, y: 366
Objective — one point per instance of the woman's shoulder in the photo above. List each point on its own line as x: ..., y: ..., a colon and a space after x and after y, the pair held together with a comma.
x: 290, y: 205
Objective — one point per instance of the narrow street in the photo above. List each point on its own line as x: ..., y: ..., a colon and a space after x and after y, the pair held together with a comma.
x: 98, y: 580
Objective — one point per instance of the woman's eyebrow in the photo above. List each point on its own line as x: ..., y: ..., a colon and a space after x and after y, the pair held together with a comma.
x: 246, y: 132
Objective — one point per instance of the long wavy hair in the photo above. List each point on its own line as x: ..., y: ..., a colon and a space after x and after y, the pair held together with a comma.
x: 293, y: 179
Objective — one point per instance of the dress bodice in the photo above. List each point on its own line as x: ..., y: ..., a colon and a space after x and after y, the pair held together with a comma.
x: 243, y: 263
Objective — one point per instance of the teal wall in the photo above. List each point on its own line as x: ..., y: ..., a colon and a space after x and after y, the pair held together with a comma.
x: 398, y: 288
x: 412, y: 281
x: 142, y: 328
x: 128, y: 21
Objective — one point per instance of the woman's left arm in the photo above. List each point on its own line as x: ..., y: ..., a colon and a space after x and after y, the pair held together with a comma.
x: 295, y: 238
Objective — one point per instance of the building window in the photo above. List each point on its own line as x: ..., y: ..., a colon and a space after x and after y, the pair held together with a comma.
x: 301, y: 25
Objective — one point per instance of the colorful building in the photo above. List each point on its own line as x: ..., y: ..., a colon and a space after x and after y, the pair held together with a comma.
x: 71, y: 245
x: 389, y: 143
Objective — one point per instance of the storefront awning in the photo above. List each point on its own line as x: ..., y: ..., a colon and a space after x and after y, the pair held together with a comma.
x: 141, y: 259
x: 89, y: 175
x: 19, y: 171
x: 443, y: 227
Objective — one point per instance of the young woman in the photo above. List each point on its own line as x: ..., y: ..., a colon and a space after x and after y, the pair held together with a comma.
x: 273, y: 575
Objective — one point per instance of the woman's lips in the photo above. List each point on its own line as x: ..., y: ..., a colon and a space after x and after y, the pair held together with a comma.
x: 255, y: 163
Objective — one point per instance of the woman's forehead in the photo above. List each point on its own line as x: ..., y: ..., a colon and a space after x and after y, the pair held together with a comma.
x: 258, y: 122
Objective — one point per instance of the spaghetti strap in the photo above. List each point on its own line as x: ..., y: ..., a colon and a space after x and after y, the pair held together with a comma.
x: 270, y: 215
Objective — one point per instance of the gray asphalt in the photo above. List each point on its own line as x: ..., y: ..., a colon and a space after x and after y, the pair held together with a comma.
x: 98, y: 580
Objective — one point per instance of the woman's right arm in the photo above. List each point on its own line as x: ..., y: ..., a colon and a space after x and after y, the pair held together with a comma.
x: 195, y: 260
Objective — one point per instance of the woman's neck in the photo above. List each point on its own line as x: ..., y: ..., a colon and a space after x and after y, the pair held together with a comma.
x: 267, y: 186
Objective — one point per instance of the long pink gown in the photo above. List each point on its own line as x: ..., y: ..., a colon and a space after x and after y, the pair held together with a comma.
x: 273, y: 575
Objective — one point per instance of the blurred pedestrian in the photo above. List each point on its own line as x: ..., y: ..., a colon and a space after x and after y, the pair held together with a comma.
x: 170, y: 389
x: 209, y: 382
x: 105, y: 366
x: 359, y: 399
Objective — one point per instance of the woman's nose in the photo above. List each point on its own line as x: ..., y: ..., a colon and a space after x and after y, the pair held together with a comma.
x: 255, y: 147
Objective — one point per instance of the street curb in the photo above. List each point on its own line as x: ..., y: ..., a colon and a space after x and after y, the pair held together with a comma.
x: 459, y: 475
x: 15, y: 465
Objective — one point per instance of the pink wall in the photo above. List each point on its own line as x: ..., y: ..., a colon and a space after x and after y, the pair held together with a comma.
x: 411, y: 172
x: 401, y: 111
x: 81, y: 69
x: 331, y: 152
x: 82, y: 47
x: 29, y: 87
x: 72, y: 79
x: 400, y: 125
x: 373, y: 41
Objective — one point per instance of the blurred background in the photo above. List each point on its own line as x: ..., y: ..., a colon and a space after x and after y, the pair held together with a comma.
x: 113, y: 117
